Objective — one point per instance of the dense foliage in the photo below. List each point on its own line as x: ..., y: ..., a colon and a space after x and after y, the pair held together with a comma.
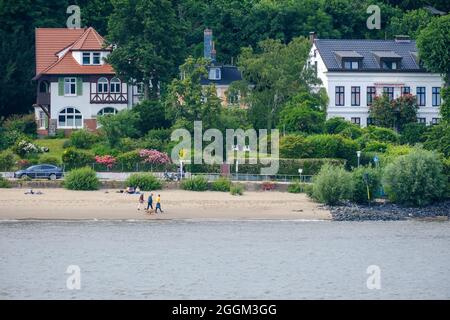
x: 81, y: 179
x: 415, y: 179
x: 332, y: 185
x: 145, y: 181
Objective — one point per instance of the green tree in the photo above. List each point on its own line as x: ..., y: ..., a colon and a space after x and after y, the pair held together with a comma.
x: 301, y: 118
x: 394, y: 114
x: 410, y: 23
x: 149, y: 42
x: 434, y: 43
x: 276, y: 73
x: 120, y: 125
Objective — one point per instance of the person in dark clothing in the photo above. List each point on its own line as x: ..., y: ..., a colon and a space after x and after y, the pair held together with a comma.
x: 150, y: 202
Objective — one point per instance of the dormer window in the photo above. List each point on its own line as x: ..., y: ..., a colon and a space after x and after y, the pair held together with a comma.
x: 351, y: 65
x: 214, y: 74
x: 388, y: 60
x: 91, y: 58
x: 390, y: 65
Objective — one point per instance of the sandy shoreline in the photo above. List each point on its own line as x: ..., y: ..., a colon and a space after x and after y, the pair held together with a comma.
x: 55, y: 204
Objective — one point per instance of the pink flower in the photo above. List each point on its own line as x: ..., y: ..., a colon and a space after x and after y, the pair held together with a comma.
x: 108, y: 161
x: 154, y: 156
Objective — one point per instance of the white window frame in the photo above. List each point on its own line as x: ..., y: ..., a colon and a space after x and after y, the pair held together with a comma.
x: 99, y: 58
x: 87, y: 54
x: 101, y: 84
x: 215, y: 74
x: 92, y: 56
x: 114, y: 84
x: 42, y: 120
x: 76, y: 113
x: 70, y: 81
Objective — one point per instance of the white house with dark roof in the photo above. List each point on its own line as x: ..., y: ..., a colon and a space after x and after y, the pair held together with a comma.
x: 353, y: 72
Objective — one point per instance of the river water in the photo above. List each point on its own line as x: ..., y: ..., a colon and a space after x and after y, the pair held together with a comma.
x: 225, y: 259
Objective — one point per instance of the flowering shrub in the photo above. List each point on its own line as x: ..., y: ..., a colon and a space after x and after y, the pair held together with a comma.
x: 25, y: 148
x: 154, y: 157
x: 107, y: 160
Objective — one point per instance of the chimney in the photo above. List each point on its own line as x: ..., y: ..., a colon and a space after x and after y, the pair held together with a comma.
x: 312, y: 36
x: 213, y: 53
x: 207, y: 44
x: 402, y: 38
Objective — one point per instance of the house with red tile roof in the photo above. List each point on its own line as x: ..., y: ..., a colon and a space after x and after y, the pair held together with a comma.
x: 74, y: 83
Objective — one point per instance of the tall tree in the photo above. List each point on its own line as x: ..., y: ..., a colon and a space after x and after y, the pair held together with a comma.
x: 275, y: 72
x: 148, y: 40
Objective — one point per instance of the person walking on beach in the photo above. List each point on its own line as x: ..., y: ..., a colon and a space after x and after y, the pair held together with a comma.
x: 158, y: 204
x: 141, y: 201
x: 150, y: 202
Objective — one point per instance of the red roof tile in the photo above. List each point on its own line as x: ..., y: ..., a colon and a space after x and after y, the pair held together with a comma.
x: 51, y: 41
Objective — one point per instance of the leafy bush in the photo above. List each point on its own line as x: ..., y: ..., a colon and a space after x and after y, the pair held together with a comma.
x: 221, y: 184
x: 73, y: 158
x: 46, y: 159
x: 67, y: 144
x: 332, y: 185
x: 145, y: 181
x: 83, y: 139
x: 352, y: 132
x: 127, y: 161
x: 25, y: 124
x: 292, y: 146
x: 286, y: 166
x: 101, y: 149
x: 26, y: 148
x: 331, y: 146
x: 4, y: 183
x: 375, y: 146
x: 298, y: 187
x: 438, y: 138
x: 393, y: 152
x: 337, y: 125
x: 413, y: 133
x: 7, y: 160
x: 382, y: 134
x: 237, y: 189
x: 128, y: 144
x: 415, y: 179
x: 364, y: 177
x: 81, y: 179
x: 195, y: 184
x: 301, y: 118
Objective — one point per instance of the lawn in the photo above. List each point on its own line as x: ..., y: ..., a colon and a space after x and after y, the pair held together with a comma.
x: 55, y: 146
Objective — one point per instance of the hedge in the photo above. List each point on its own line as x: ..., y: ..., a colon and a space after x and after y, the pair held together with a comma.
x: 286, y: 166
x: 73, y: 158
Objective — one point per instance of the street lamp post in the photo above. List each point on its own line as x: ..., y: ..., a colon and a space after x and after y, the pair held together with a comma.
x: 358, y: 154
x: 236, y: 148
x: 300, y: 171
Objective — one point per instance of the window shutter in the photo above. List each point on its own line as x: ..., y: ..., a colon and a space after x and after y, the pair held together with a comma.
x: 60, y: 86
x: 79, y: 86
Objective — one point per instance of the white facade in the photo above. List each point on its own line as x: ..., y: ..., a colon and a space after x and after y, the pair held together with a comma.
x: 396, y: 80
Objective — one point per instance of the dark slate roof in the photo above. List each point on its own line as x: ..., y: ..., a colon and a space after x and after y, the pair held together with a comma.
x: 370, y: 50
x: 229, y: 75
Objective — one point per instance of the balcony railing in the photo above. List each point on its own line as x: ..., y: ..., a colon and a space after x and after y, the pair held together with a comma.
x: 109, y: 98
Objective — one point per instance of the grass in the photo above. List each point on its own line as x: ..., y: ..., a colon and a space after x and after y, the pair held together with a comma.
x: 55, y: 146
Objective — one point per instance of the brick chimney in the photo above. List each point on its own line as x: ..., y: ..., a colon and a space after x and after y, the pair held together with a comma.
x: 312, y: 36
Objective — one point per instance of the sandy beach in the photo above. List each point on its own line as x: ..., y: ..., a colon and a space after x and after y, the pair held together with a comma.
x: 177, y: 204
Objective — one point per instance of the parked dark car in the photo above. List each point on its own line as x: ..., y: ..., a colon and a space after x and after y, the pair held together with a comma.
x: 41, y: 171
